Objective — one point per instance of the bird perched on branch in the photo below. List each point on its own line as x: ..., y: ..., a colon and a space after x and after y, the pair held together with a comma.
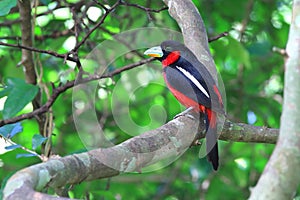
x: 193, y: 86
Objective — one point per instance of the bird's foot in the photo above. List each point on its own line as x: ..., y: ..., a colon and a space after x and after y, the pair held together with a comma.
x: 196, y: 142
x: 185, y: 113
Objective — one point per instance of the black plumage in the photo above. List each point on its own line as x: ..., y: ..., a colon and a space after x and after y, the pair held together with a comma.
x: 192, y: 84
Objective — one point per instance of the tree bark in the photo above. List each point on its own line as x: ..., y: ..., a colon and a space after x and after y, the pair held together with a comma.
x: 170, y: 140
x: 193, y: 30
x: 281, y: 178
x: 26, y: 28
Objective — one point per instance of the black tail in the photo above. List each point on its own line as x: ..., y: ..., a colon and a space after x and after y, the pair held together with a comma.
x: 212, y: 150
x: 211, y: 141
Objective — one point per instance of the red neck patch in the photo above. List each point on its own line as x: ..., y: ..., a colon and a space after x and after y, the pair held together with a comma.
x: 171, y: 58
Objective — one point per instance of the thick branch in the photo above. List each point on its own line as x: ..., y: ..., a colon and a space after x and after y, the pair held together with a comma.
x: 279, y: 179
x: 172, y: 139
x: 239, y: 132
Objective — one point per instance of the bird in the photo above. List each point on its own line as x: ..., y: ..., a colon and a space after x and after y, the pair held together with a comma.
x: 193, y: 86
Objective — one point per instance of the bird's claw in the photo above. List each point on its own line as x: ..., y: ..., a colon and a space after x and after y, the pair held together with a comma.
x: 196, y: 142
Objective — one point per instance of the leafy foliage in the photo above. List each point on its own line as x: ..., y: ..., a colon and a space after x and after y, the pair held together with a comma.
x: 19, y: 94
x: 6, y: 5
x: 252, y: 74
x: 37, y: 140
x: 11, y: 130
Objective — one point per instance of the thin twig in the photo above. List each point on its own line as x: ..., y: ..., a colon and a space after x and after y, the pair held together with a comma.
x: 280, y: 51
x: 53, y: 35
x: 62, y: 88
x: 246, y: 19
x: 108, y: 11
x: 23, y: 148
x: 214, y: 38
x: 49, y: 52
x: 101, y: 5
x: 144, y: 8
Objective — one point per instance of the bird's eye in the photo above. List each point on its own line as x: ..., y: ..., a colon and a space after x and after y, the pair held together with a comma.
x: 168, y: 48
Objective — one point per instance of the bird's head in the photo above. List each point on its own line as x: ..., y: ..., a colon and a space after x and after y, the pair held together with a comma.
x: 168, y: 52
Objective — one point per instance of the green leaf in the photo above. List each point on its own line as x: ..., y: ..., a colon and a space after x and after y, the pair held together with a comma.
x: 11, y: 130
x: 37, y: 140
x: 5, y: 91
x: 3, y: 183
x: 25, y: 155
x: 19, y: 96
x: 6, y: 5
x: 241, y: 54
x: 11, y: 147
x: 17, y: 129
x: 46, y: 2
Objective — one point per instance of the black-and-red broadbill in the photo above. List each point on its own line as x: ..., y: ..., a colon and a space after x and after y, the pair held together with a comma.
x: 193, y: 86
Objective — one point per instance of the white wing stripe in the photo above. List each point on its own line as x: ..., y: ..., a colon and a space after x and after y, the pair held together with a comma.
x: 194, y: 80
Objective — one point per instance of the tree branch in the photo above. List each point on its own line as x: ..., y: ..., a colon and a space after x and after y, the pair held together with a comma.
x: 27, y: 58
x: 194, y: 33
x: 279, y: 179
x: 143, y: 8
x: 26, y: 28
x: 107, y: 12
x: 214, y: 38
x: 49, y: 52
x: 171, y: 139
x: 62, y: 88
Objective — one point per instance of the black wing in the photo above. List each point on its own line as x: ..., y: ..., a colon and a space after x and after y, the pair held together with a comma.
x: 188, y: 80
